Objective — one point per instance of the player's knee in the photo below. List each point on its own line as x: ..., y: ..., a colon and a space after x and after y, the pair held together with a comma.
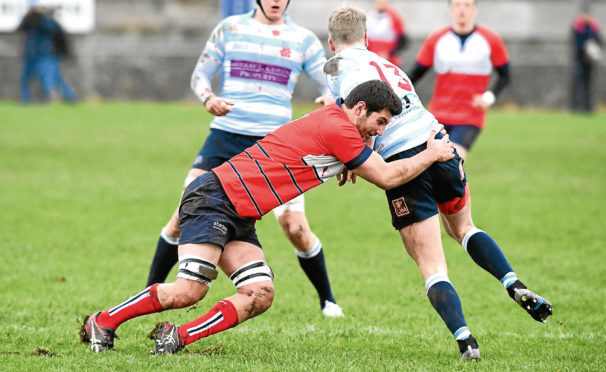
x: 260, y: 297
x: 193, y: 280
x: 293, y: 228
x: 295, y: 232
x: 254, y: 280
x: 184, y: 293
x: 185, y: 299
x: 171, y: 232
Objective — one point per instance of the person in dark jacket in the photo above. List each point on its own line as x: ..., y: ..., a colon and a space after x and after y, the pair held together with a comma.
x: 45, y: 46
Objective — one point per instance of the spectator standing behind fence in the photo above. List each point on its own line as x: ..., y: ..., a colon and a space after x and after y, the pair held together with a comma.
x: 386, y: 32
x: 586, y: 43
x: 45, y: 46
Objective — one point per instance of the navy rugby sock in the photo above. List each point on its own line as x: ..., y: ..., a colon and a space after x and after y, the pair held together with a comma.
x: 486, y: 253
x: 445, y: 300
x: 166, y: 256
x: 314, y: 266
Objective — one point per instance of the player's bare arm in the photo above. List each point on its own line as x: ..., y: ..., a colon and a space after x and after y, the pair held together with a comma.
x: 389, y: 175
x: 348, y: 175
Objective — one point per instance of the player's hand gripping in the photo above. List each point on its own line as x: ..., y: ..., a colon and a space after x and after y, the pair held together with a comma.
x: 218, y: 106
x: 346, y: 176
x: 325, y: 100
x: 442, y: 149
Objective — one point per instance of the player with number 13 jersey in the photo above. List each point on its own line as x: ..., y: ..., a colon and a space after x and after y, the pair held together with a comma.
x: 355, y: 65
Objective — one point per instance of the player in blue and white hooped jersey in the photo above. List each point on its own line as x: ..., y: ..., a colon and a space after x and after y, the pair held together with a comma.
x: 260, y: 55
x: 440, y: 190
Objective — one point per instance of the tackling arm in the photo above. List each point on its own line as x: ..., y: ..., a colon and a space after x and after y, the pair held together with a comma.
x: 395, y: 173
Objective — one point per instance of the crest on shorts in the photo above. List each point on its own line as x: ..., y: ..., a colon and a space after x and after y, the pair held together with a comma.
x: 400, y: 207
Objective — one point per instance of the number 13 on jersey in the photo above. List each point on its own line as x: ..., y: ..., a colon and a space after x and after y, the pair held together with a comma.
x: 401, y: 81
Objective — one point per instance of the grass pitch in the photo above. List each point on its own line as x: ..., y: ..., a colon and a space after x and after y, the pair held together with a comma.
x: 85, y: 189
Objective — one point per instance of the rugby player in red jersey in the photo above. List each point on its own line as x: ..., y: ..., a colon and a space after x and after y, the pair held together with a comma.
x: 219, y: 209
x: 463, y: 56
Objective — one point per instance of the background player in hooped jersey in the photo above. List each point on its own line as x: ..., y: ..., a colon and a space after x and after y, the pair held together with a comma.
x: 386, y: 32
x: 219, y: 209
x: 442, y: 187
x: 463, y: 56
x: 261, y: 54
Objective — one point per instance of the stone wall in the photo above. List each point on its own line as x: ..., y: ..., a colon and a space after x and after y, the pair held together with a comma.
x: 146, y: 49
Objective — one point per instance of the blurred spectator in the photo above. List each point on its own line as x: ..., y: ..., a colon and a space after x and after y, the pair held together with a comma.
x: 386, y: 32
x: 45, y: 45
x: 586, y: 43
x: 234, y: 7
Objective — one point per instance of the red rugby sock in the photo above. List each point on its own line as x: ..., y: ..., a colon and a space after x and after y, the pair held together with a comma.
x: 220, y: 317
x: 142, y: 303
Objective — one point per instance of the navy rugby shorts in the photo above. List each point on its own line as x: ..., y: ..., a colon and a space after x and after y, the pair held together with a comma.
x: 220, y: 146
x: 463, y: 134
x: 440, y: 188
x: 207, y: 215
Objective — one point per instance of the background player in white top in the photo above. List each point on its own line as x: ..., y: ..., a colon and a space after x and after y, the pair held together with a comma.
x: 260, y: 55
x: 442, y: 187
x: 463, y: 56
x: 386, y: 32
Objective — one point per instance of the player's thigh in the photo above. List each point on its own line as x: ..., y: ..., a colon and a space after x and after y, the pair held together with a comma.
x: 449, y: 183
x: 423, y: 243
x: 411, y: 202
x: 459, y: 223
x: 238, y: 253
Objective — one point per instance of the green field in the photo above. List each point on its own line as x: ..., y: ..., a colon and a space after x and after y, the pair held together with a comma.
x: 85, y: 190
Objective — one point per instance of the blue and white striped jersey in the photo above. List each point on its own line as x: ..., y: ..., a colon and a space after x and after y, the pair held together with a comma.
x: 260, y: 66
x: 356, y: 65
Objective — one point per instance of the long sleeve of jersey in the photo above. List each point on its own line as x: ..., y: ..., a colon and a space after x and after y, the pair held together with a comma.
x: 209, y: 63
x: 417, y: 72
x: 503, y: 79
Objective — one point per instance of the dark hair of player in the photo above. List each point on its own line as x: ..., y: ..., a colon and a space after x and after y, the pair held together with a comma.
x: 377, y: 95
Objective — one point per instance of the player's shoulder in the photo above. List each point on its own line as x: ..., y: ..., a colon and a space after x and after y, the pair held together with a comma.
x: 331, y: 117
x: 234, y: 20
x: 438, y: 33
x: 488, y: 32
x: 394, y: 13
x: 344, y: 61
